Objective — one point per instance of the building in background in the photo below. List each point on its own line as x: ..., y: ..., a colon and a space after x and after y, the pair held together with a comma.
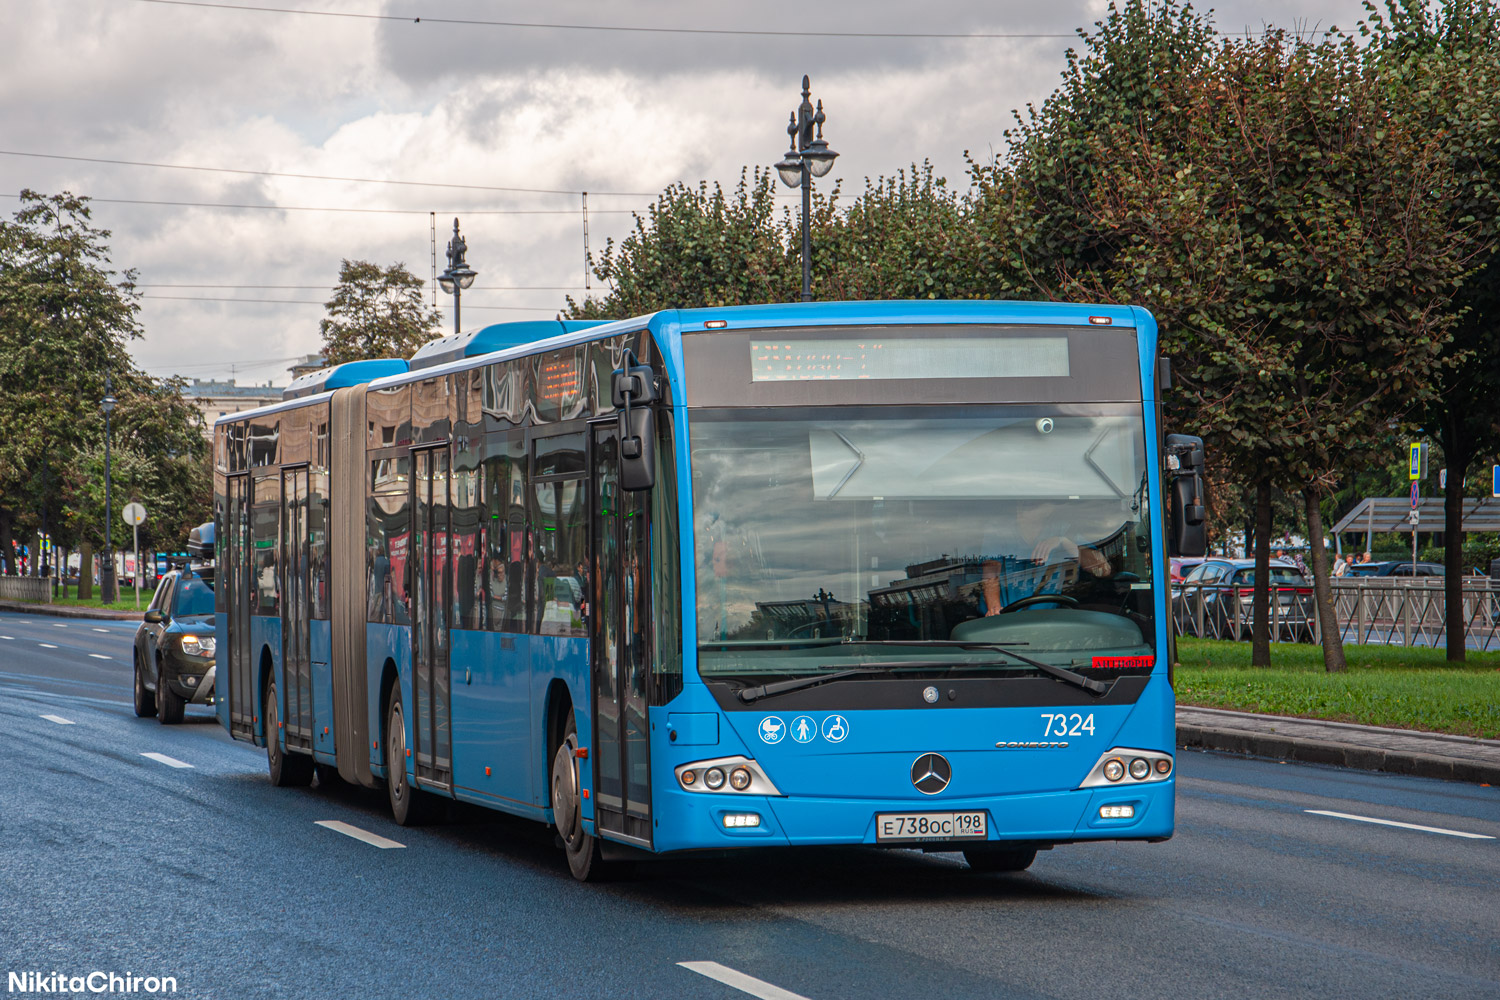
x: 218, y: 398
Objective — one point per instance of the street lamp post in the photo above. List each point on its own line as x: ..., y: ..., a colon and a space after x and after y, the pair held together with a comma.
x: 808, y: 157
x: 107, y: 592
x: 459, y: 275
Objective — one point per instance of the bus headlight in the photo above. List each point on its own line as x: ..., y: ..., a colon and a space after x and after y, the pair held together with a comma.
x: 1123, y: 765
x: 725, y: 776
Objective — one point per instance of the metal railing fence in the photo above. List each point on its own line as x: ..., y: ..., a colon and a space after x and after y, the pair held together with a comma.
x: 1376, y: 611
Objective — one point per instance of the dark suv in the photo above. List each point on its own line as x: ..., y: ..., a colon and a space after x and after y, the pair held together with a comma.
x: 174, y: 647
x: 1395, y: 567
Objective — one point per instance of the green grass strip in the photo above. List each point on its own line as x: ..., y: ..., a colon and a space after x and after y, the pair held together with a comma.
x: 1404, y: 688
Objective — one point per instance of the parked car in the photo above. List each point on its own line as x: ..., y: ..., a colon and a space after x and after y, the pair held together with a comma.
x: 1395, y: 568
x: 1181, y: 566
x: 1218, y: 581
x: 174, y: 647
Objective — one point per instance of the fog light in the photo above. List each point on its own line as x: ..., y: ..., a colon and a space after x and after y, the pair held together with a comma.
x: 1117, y: 812
x: 739, y: 779
x: 190, y: 681
x: 714, y: 778
x: 1163, y: 766
x: 734, y: 821
x: 1113, y: 769
x: 689, y: 778
x: 1140, y: 768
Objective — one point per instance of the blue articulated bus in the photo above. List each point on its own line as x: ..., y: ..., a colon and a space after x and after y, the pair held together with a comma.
x: 887, y: 573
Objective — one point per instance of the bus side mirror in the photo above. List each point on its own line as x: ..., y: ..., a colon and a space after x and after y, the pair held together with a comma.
x: 1187, y: 527
x: 634, y: 390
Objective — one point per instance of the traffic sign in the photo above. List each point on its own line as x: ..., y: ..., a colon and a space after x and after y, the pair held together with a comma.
x: 1414, y: 518
x: 1416, y: 460
x: 1442, y: 479
x: 134, y: 513
x: 1495, y: 480
x: 1416, y: 495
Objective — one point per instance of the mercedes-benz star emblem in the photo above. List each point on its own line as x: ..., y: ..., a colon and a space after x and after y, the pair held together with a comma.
x: 931, y: 773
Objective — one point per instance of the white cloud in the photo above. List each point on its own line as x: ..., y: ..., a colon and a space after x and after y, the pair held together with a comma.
x: 524, y: 108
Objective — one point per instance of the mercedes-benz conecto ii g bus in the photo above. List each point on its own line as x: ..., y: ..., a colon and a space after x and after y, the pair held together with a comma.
x: 883, y: 573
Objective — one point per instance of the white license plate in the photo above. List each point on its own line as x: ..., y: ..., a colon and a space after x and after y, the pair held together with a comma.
x: 931, y: 826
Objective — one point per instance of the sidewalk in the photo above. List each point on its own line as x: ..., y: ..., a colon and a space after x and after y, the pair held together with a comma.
x: 1368, y: 748
x: 69, y: 611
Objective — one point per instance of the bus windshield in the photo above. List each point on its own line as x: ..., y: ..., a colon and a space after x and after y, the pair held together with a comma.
x: 829, y: 536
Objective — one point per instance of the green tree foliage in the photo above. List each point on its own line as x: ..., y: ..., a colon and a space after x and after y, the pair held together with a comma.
x: 698, y: 247
x: 375, y: 312
x: 1442, y: 66
x: 67, y: 318
x: 1284, y: 224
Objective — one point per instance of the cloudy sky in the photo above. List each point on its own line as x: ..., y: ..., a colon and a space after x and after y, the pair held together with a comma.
x: 481, y: 108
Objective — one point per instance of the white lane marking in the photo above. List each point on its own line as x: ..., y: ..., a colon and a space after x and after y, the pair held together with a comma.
x: 46, y: 645
x: 10, y: 637
x: 56, y: 625
x: 58, y: 719
x: 162, y: 758
x: 101, y: 656
x: 745, y: 984
x: 104, y: 630
x: 373, y: 839
x: 1404, y: 826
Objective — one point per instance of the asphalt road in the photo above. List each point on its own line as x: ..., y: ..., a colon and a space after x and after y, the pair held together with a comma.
x: 114, y: 861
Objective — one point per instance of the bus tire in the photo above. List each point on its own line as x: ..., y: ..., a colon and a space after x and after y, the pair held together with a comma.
x: 169, y: 704
x: 145, y: 701
x: 1000, y: 859
x: 409, y: 806
x: 581, y: 848
x: 288, y: 770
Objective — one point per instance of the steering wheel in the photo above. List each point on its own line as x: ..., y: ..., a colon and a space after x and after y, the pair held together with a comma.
x: 1027, y: 602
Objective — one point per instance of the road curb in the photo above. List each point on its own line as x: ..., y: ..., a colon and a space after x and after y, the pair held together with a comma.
x: 64, y: 611
x: 1364, y: 758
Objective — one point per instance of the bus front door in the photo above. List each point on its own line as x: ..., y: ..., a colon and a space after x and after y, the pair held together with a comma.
x: 619, y: 547
x: 432, y: 736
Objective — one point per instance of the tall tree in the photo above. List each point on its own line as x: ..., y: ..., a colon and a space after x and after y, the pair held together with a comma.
x: 1442, y: 65
x: 66, y: 318
x: 375, y: 312
x: 1285, y: 227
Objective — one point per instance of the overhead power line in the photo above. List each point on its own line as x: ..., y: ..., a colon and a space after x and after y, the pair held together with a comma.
x: 367, y: 211
x: 316, y: 177
x: 635, y: 29
x: 325, y: 288
x: 315, y: 302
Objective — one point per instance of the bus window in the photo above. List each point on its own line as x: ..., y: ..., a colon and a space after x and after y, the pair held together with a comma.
x: 504, y: 515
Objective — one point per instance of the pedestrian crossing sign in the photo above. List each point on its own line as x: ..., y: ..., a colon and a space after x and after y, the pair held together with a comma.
x: 1416, y: 461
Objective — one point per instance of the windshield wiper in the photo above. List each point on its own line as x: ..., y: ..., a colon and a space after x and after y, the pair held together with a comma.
x: 748, y: 695
x: 1061, y: 673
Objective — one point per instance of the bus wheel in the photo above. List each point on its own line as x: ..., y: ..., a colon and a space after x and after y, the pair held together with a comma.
x: 168, y: 704
x: 145, y: 702
x: 581, y: 848
x: 410, y: 806
x: 288, y: 770
x: 999, y: 859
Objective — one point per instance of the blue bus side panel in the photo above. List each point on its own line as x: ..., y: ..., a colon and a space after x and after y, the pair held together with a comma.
x: 320, y: 643
x: 221, y: 668
x: 265, y: 638
x: 387, y: 644
x: 491, y: 702
x: 564, y: 659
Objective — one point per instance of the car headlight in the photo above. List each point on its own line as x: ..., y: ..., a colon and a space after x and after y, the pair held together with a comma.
x: 198, y: 645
